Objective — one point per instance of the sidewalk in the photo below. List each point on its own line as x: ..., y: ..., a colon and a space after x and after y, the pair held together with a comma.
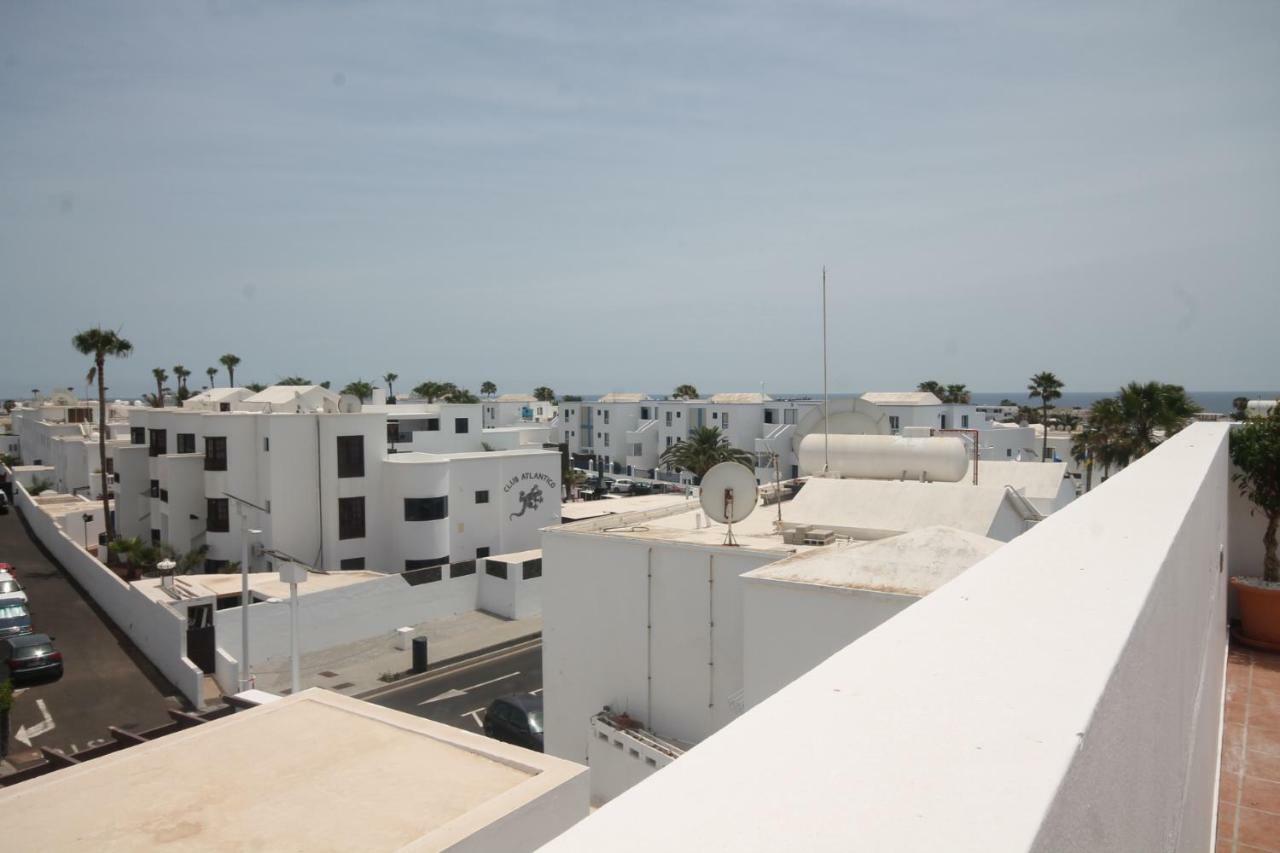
x: 355, y: 668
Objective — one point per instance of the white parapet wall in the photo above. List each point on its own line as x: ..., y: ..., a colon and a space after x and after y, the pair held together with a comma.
x: 158, y: 631
x: 1064, y: 694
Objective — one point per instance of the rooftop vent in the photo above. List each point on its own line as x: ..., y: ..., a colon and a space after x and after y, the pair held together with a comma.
x: 819, y: 536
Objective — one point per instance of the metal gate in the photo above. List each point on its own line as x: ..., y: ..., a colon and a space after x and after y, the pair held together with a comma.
x: 201, y: 639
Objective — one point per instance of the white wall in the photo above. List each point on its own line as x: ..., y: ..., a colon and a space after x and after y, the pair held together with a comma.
x: 597, y: 602
x: 789, y: 628
x: 159, y: 632
x: 1064, y: 694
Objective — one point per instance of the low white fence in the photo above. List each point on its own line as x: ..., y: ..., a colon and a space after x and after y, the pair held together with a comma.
x: 159, y: 632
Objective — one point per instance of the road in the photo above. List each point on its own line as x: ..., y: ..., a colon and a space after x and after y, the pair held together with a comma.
x: 107, y: 681
x: 459, y: 694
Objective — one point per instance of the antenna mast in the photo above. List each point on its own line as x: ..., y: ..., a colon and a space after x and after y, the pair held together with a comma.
x: 826, y: 398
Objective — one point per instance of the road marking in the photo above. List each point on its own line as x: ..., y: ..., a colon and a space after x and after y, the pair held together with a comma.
x: 474, y: 715
x: 43, y: 727
x: 448, y: 694
x: 452, y: 669
x: 491, y: 681
x: 535, y: 692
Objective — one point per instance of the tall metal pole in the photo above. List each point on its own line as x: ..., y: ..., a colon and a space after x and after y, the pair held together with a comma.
x: 826, y: 398
x: 295, y: 678
x: 246, y: 532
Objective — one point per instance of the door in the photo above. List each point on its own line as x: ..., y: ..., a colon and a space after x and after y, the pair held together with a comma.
x: 201, y: 637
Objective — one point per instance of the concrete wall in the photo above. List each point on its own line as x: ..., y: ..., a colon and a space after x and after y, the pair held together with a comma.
x: 619, y: 761
x: 1064, y: 694
x: 159, y: 632
x: 789, y: 628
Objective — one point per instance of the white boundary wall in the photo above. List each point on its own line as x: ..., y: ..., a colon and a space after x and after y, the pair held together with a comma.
x: 159, y: 632
x: 1064, y: 694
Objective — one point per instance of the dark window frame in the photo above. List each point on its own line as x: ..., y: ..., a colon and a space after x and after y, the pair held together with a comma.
x: 186, y: 442
x: 215, y: 453
x: 137, y: 435
x: 217, y: 515
x: 482, y: 496
x: 466, y: 567
x: 426, y: 509
x: 351, y: 522
x: 531, y: 569
x: 350, y: 462
x: 158, y: 448
x: 351, y: 564
x: 495, y: 568
x: 461, y: 426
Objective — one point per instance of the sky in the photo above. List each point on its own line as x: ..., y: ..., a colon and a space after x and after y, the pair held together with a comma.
x: 603, y: 196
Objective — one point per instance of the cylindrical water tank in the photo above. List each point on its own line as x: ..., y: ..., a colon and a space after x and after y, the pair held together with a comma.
x: 887, y: 457
x: 1259, y: 408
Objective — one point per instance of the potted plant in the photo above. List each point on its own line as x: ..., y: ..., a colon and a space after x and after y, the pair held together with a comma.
x: 1255, y: 451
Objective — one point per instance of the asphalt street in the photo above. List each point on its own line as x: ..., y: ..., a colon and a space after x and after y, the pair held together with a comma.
x: 107, y: 681
x: 459, y: 694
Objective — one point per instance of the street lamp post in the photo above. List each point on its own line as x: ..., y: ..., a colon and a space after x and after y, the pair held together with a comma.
x: 244, y: 601
x: 293, y: 574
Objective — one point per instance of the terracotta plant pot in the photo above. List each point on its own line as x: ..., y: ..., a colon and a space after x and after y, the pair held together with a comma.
x: 1259, y: 615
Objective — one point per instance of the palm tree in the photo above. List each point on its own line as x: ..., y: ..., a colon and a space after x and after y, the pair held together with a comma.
x: 294, y: 380
x: 1240, y: 408
x: 229, y: 361
x: 100, y: 343
x: 255, y: 387
x: 161, y: 377
x: 1047, y: 388
x: 488, y: 388
x: 431, y: 389
x: 181, y: 373
x: 458, y: 395
x: 932, y: 387
x: 211, y: 372
x: 544, y: 394
x: 705, y: 448
x: 684, y: 392
x: 389, y: 378
x: 1148, y: 407
x: 572, y: 478
x: 359, y: 388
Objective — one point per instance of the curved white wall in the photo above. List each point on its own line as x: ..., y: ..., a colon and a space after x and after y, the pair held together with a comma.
x: 414, y: 540
x: 886, y: 457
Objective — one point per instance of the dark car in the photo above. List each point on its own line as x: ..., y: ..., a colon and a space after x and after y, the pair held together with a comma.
x: 14, y: 619
x: 516, y: 719
x: 30, y: 657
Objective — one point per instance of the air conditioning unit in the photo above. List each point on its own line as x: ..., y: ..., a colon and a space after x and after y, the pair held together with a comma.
x: 819, y: 536
x: 795, y: 535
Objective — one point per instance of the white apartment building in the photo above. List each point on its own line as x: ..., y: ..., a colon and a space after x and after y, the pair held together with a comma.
x: 335, y: 490
x: 62, y: 436
x: 515, y: 409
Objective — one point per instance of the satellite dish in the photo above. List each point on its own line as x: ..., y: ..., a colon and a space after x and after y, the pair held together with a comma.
x: 729, y: 495
x: 349, y: 404
x: 62, y: 398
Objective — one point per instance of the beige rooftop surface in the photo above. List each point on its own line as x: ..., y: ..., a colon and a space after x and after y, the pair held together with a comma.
x: 614, y: 505
x: 1035, y: 479
x: 895, y: 505
x: 914, y: 563
x: 312, y: 772
x: 901, y: 398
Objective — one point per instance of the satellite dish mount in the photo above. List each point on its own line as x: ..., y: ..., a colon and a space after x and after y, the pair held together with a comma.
x: 729, y: 494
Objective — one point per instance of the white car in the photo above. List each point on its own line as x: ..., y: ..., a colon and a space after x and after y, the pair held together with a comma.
x: 622, y: 486
x: 10, y: 590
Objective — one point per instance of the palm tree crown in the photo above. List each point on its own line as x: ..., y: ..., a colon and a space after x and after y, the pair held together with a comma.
x: 544, y: 394
x: 211, y: 372
x: 101, y: 343
x: 161, y: 377
x: 1126, y: 427
x: 488, y: 388
x: 359, y: 388
x: 684, y: 392
x: 431, y: 389
x: 705, y: 448
x: 390, y: 378
x: 229, y: 361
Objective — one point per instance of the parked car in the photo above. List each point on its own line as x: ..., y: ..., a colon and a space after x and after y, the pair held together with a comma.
x: 14, y: 619
x: 641, y: 489
x: 30, y: 657
x: 623, y: 486
x: 11, y: 590
x: 6, y: 568
x: 515, y: 719
x: 4, y: 504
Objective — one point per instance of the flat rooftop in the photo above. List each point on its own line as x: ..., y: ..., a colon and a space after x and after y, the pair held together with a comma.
x: 317, y: 771
x: 686, y: 522
x: 617, y: 504
x: 266, y: 584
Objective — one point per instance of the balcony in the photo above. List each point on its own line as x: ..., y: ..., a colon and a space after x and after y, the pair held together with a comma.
x: 1066, y: 693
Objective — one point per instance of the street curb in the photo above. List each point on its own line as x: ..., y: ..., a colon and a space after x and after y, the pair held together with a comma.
x: 447, y: 663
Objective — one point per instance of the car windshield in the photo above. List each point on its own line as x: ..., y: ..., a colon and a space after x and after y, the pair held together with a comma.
x: 535, y: 721
x: 12, y: 611
x: 25, y: 652
x: 9, y: 586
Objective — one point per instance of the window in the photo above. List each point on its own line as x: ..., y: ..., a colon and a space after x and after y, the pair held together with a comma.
x: 533, y: 569
x: 460, y: 425
x: 351, y: 456
x: 644, y: 413
x: 964, y: 421
x: 155, y: 488
x: 213, y: 567
x: 943, y: 421
x: 159, y: 442
x: 895, y: 423
x: 1008, y: 451
x: 482, y: 552
x: 215, y: 453
x: 351, y: 564
x: 637, y: 450
x: 679, y: 414
x: 224, y: 407
x: 668, y: 441
x: 769, y: 416
x: 724, y: 422
x: 606, y: 439
x: 467, y: 567
x: 137, y: 435
x: 351, y: 518
x: 789, y: 416
x: 424, y: 574
x: 715, y: 416
x: 164, y: 495
x: 155, y: 536
x: 606, y: 417
x: 426, y: 509
x: 186, y: 442
x: 482, y: 496
x: 433, y: 424
x: 495, y: 568
x: 266, y: 444
x: 218, y: 515
x: 668, y: 418
x: 411, y: 565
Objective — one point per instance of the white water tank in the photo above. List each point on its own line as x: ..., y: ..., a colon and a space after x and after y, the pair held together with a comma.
x: 1259, y: 408
x: 887, y: 457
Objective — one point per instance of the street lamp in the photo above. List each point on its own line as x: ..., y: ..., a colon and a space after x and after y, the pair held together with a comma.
x: 86, y: 518
x: 244, y: 602
x: 293, y: 574
x: 165, y: 567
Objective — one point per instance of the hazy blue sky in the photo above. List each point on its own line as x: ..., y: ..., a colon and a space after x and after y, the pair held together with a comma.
x: 602, y: 196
